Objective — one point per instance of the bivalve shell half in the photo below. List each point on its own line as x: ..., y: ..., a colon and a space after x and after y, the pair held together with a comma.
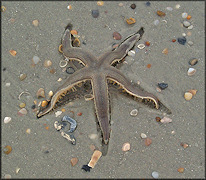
x: 40, y: 93
x: 7, y: 120
x: 193, y: 91
x: 131, y: 53
x: 50, y: 93
x: 47, y: 63
x: 193, y: 62
x: 191, y: 71
x: 74, y: 161
x: 13, y: 52
x: 22, y: 112
x: 166, y: 120
x: 126, y: 147
x: 188, y: 96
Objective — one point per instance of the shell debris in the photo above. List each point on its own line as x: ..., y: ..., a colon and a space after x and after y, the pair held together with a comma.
x: 57, y: 125
x: 130, y: 21
x: 166, y: 120
x: 13, y: 52
x: 191, y: 71
x: 126, y: 147
x: 68, y: 137
x: 188, y: 96
x: 40, y: 93
x: 7, y: 120
x: 95, y: 157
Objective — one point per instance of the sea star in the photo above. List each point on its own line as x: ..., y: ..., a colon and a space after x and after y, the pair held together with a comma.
x: 99, y: 71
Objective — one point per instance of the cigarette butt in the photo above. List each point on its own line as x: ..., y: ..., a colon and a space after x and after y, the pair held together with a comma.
x: 95, y: 157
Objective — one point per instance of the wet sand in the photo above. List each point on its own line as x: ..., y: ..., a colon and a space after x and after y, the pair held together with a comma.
x: 44, y: 153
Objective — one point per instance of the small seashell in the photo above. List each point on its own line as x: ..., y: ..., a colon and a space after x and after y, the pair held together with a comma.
x: 8, y: 84
x: 173, y: 40
x: 28, y: 131
x: 22, y: 77
x: 95, y: 157
x: 155, y: 174
x: 143, y: 136
x: 93, y: 136
x: 184, y: 145
x: 63, y: 110
x: 17, y: 170
x: 58, y: 113
x: 22, y: 105
x: 74, y: 32
x: 148, y: 141
x: 169, y: 8
x: 193, y: 91
x: 7, y: 149
x: 121, y: 4
x: 63, y: 63
x: 13, y: 52
x: 177, y: 6
x: 69, y: 7
x: 147, y: 43
x: 126, y: 147
x: 188, y: 96
x: 3, y: 8
x: 47, y: 63
x: 160, y: 13
x: 156, y: 22
x: 180, y: 170
x: 57, y: 125
x: 100, y: 3
x: 40, y: 93
x: 190, y: 27
x: 131, y: 53
x: 44, y: 103
x: 165, y: 51
x: 35, y: 59
x: 74, y: 161
x: 186, y: 24
x: 60, y: 48
x: 166, y: 120
x: 95, y: 13
x: 184, y: 15
x: 7, y: 120
x: 134, y: 112
x: 130, y: 21
x: 191, y: 71
x: 35, y: 22
x: 117, y: 36
x: 141, y: 46
x: 76, y: 42
x: 193, y: 62
x: 50, y: 94
x: 183, y: 34
x: 22, y: 112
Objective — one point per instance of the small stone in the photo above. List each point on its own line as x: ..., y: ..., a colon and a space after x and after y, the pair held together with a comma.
x: 117, y: 36
x: 130, y: 21
x: 160, y: 13
x: 158, y: 89
x: 155, y: 174
x: 93, y: 136
x: 131, y: 53
x: 58, y: 113
x: 40, y: 93
x: 28, y: 131
x: 188, y: 96
x: 180, y: 170
x: 73, y: 32
x: 95, y: 13
x: 134, y: 112
x: 177, y: 6
x: 35, y: 22
x: 33, y: 106
x: 22, y: 112
x: 100, y: 3
x: 190, y: 43
x: 133, y: 6
x: 165, y: 51
x: 193, y: 61
x: 186, y: 24
x: 183, y: 34
x: 191, y: 71
x: 156, y: 22
x: 158, y: 119
x: 74, y: 161
x: 79, y: 114
x: 121, y: 4
x: 189, y: 17
x: 50, y: 94
x: 147, y: 43
x: 44, y: 103
x: 7, y: 120
x: 70, y: 70
x: 13, y: 52
x: 166, y: 120
x: 148, y: 141
x: 47, y: 63
x: 190, y: 27
x: 184, y: 145
x: 8, y: 84
x: 184, y: 15
x: 7, y: 176
x: 143, y: 136
x: 126, y: 147
x: 22, y: 77
x: 35, y: 59
x: 52, y: 71
x: 169, y: 8
x: 173, y: 40
x: 22, y: 105
x: 147, y: 3
x: 182, y: 40
x: 162, y: 86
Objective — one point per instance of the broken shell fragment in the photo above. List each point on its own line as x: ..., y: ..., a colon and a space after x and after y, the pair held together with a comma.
x: 7, y: 120
x: 13, y: 52
x: 126, y: 147
x: 35, y: 22
x: 76, y: 42
x: 35, y: 59
x: 193, y: 62
x: 22, y: 77
x: 188, y: 96
x: 50, y: 94
x: 68, y: 137
x: 147, y: 141
x: 57, y: 125
x: 95, y: 157
x: 17, y: 170
x: 141, y: 46
x: 134, y: 112
x: 193, y: 91
x: 165, y: 51
x: 40, y: 93
x: 44, y: 103
x: 191, y: 71
x: 131, y: 53
x: 130, y: 21
x: 22, y: 112
x: 60, y: 48
x: 180, y: 170
x: 58, y: 113
x: 74, y: 161
x: 166, y: 120
x: 3, y: 8
x: 143, y: 136
x: 7, y: 149
x: 117, y: 36
x: 160, y: 13
x: 88, y: 97
x: 47, y: 63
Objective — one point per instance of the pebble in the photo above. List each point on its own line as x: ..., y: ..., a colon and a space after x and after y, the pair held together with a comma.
x: 162, y: 86
x: 7, y: 120
x: 158, y: 89
x: 35, y: 22
x: 131, y: 53
x: 44, y: 103
x: 47, y: 63
x: 50, y: 94
x: 193, y: 91
x: 100, y: 3
x: 8, y: 84
x: 165, y: 51
x: 74, y: 161
x: 158, y: 119
x: 189, y: 17
x: 177, y: 6
x: 22, y: 112
x: 156, y: 22
x: 181, y: 40
x: 166, y: 120
x: 22, y: 77
x: 148, y: 141
x: 133, y: 6
x: 184, y: 15
x: 155, y: 174
x: 126, y: 147
x: 22, y: 105
x: 190, y: 43
x: 95, y: 13
x: 183, y: 34
x: 70, y: 70
x: 147, y: 43
x: 186, y: 24
x: 40, y: 93
x: 143, y: 136
x: 121, y: 4
x: 69, y: 7
x: 28, y: 131
x: 3, y: 8
x: 7, y: 176
x: 52, y: 71
x: 117, y: 36
x: 190, y: 27
x: 93, y: 136
x: 180, y: 170
x: 188, y: 96
x: 134, y: 112
x: 193, y: 62
x: 13, y: 52
x: 130, y: 21
x: 35, y: 59
x: 191, y: 71
x: 184, y: 145
x: 169, y: 8
x: 58, y: 113
x: 148, y: 3
x: 160, y: 13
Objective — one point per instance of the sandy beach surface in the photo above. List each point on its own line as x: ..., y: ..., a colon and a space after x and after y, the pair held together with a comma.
x: 39, y: 150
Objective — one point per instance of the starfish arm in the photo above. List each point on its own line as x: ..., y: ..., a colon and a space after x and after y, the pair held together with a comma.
x: 101, y: 101
x: 76, y: 78
x: 75, y: 53
x: 115, y: 75
x: 121, y: 51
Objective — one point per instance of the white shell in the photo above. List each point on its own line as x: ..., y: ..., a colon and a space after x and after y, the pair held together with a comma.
x: 155, y: 174
x: 134, y: 112
x: 156, y: 22
x: 35, y: 59
x: 191, y: 71
x: 143, y: 136
x: 184, y: 15
x: 8, y: 84
x: 188, y: 96
x: 169, y: 8
x: 131, y: 53
x: 166, y: 120
x: 126, y: 147
x: 58, y: 113
x: 93, y: 136
x: 186, y: 24
x: 141, y: 46
x: 190, y: 27
x: 177, y: 6
x: 7, y: 120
